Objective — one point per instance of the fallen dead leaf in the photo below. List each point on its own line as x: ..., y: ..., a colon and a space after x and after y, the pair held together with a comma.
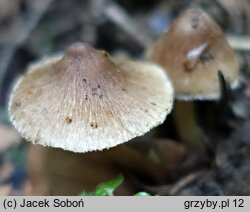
x: 5, y: 190
x: 8, y: 137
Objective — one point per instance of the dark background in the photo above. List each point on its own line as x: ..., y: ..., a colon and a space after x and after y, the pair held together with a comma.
x: 33, y: 29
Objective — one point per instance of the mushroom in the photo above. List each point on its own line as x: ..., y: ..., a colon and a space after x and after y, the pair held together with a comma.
x: 84, y: 171
x: 192, y: 51
x: 87, y: 100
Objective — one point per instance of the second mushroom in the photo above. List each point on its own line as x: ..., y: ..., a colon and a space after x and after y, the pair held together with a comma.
x: 193, y: 50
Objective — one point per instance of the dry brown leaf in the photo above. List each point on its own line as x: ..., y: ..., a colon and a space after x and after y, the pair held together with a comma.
x: 5, y: 190
x: 8, y: 137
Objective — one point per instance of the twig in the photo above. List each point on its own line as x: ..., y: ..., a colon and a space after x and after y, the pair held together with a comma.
x: 19, y: 33
x: 185, y: 181
x: 239, y: 42
x: 118, y: 16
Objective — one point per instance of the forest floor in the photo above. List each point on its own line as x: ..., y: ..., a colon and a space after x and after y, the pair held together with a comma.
x: 33, y: 29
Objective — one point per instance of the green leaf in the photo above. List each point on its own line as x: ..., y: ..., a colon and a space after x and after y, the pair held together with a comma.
x: 106, y: 189
x: 143, y: 194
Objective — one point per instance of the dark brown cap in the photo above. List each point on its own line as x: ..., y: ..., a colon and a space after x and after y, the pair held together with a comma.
x: 192, y: 51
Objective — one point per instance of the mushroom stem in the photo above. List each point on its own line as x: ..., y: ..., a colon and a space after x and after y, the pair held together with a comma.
x: 188, y: 127
x: 132, y: 160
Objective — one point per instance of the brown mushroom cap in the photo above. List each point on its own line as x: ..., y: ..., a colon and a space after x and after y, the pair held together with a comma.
x: 88, y: 100
x: 192, y: 51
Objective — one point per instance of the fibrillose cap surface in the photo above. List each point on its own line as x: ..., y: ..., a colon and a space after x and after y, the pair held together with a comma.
x: 87, y: 100
x: 192, y: 51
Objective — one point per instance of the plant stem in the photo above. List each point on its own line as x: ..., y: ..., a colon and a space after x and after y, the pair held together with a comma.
x: 133, y: 160
x: 188, y: 127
